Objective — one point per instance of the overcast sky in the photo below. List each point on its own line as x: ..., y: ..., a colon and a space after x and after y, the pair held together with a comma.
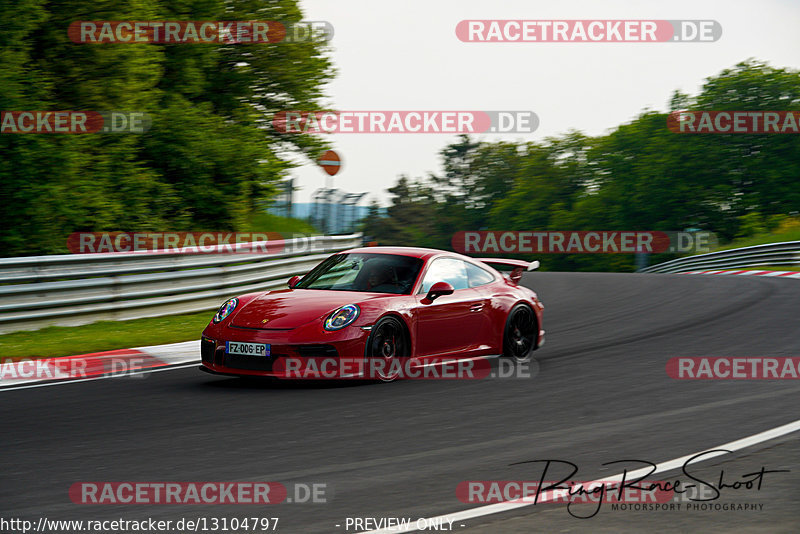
x: 406, y: 56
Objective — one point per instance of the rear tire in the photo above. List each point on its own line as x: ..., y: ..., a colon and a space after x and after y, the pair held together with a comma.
x: 389, y: 344
x: 519, y: 337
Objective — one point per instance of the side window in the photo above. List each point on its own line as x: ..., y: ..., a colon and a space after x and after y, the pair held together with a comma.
x: 477, y: 276
x: 448, y: 270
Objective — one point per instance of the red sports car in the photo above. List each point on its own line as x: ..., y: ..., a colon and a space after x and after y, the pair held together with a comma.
x: 382, y: 305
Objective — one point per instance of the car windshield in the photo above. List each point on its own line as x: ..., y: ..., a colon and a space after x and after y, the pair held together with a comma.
x: 377, y: 273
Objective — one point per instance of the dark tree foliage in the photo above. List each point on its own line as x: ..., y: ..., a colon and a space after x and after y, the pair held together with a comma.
x: 210, y: 156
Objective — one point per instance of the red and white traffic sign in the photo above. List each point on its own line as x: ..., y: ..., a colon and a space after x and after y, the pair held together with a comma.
x: 330, y: 162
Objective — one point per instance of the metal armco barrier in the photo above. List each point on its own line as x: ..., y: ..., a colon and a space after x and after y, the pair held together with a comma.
x: 786, y: 253
x: 75, y: 289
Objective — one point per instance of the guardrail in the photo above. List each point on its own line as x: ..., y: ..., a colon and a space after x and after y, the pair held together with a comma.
x: 786, y: 253
x: 75, y: 289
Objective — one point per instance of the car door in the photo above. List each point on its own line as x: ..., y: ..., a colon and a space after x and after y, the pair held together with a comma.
x: 451, y: 323
x: 480, y: 280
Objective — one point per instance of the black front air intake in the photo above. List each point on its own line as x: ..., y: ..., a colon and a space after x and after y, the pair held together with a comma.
x: 207, y: 350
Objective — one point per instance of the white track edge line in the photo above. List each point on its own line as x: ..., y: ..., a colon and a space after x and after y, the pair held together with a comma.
x: 669, y: 465
x: 170, y: 367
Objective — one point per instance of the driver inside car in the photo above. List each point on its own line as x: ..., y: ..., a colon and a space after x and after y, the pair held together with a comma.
x: 381, y: 279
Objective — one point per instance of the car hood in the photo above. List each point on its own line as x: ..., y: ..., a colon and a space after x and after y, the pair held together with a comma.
x: 290, y: 308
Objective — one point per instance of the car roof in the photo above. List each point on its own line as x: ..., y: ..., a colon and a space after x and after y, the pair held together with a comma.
x: 415, y: 252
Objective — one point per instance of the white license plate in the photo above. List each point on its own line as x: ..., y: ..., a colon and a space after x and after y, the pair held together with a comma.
x: 247, y: 349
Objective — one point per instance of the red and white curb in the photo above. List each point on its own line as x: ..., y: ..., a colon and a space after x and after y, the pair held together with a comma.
x: 96, y: 365
x: 780, y: 274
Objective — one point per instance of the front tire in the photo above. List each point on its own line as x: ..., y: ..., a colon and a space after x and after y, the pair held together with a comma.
x: 519, y: 337
x: 388, y: 343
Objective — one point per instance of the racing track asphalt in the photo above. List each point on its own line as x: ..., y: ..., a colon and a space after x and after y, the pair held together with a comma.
x: 399, y: 450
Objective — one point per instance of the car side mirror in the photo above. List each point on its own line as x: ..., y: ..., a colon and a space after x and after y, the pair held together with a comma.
x: 438, y: 289
x: 293, y: 281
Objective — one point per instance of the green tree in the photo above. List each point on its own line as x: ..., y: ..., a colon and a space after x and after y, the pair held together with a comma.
x: 210, y: 155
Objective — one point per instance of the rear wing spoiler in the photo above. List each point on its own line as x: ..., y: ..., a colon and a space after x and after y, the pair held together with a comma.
x: 517, y: 266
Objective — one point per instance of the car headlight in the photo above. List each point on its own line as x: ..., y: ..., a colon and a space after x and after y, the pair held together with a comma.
x: 342, y: 317
x: 226, y: 309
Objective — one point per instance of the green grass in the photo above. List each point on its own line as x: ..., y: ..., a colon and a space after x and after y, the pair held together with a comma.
x: 103, y: 335
x: 789, y: 231
x: 762, y: 239
x: 268, y: 222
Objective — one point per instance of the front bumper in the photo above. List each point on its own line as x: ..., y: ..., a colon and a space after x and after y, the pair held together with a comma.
x: 285, y: 351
